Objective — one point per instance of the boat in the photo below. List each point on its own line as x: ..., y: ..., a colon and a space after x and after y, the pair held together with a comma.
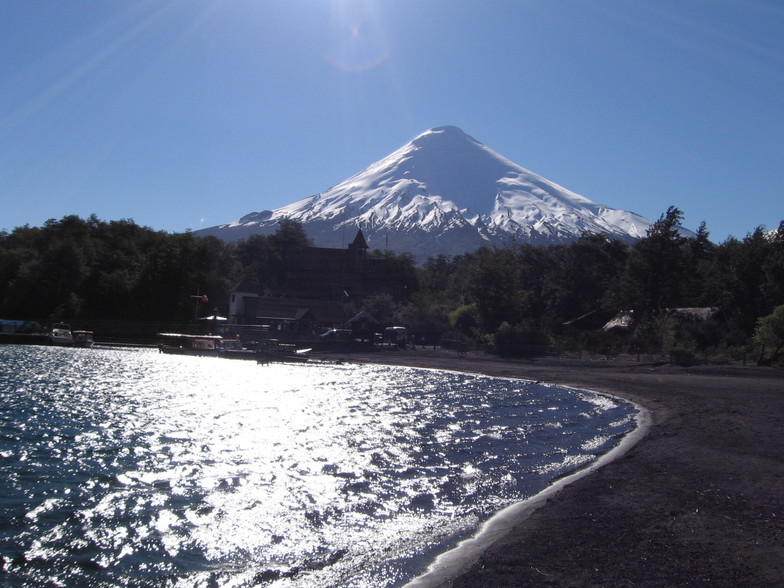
x: 217, y: 346
x: 276, y: 352
x: 83, y: 338
x: 61, y: 335
x: 182, y: 344
x: 235, y: 349
x: 267, y: 356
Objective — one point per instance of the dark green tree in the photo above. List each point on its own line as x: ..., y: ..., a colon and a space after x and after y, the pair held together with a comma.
x: 657, y: 268
x: 736, y: 278
x: 584, y: 278
x: 494, y: 288
x: 400, y: 273
x: 289, y: 238
x: 772, y: 286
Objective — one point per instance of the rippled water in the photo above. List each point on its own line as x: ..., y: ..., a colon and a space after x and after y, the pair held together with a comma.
x: 140, y: 469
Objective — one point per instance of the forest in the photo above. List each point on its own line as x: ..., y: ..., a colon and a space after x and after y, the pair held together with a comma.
x: 514, y: 301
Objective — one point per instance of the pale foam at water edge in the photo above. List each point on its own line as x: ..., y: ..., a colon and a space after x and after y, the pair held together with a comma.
x: 135, y: 468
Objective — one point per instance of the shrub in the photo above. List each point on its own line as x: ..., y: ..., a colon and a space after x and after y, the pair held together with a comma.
x: 770, y: 334
x: 683, y: 357
x: 519, y: 340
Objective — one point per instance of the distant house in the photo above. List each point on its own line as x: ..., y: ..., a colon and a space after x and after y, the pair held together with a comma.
x: 363, y: 325
x: 258, y: 317
x: 243, y: 302
x: 316, y: 282
x: 339, y: 274
x: 625, y: 320
x: 300, y: 317
x: 589, y: 321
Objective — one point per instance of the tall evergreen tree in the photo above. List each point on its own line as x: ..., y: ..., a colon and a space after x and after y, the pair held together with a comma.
x: 657, y: 268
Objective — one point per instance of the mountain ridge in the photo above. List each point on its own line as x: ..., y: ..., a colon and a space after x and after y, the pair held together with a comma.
x: 444, y: 192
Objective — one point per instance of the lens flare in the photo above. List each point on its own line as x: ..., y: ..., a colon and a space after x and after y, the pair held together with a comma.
x: 358, y: 49
x: 357, y: 41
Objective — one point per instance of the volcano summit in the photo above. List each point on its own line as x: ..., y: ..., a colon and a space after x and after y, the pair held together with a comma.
x: 443, y: 193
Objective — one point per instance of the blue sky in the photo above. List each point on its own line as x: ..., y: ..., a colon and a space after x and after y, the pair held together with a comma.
x: 183, y: 114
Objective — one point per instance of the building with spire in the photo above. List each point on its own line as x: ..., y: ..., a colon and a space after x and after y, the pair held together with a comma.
x: 317, y: 283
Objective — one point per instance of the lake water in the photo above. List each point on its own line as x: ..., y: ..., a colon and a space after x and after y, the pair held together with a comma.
x: 133, y: 468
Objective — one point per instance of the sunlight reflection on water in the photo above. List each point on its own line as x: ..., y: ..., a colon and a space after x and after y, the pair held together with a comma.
x: 135, y: 468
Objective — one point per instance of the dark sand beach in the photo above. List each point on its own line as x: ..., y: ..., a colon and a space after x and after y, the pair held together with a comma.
x: 698, y: 501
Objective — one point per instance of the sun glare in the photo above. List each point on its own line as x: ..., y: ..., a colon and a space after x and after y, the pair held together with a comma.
x: 357, y: 42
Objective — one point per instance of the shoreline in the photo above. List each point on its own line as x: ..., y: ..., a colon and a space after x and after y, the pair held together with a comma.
x: 697, y: 501
x: 459, y: 560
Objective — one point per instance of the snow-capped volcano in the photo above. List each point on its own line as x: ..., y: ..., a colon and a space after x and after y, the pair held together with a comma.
x: 443, y: 193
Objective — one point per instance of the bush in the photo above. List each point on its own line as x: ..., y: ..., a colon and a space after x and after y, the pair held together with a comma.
x: 519, y: 340
x: 683, y: 357
x: 770, y: 334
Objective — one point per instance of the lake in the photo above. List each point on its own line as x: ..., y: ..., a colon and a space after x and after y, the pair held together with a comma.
x: 134, y: 468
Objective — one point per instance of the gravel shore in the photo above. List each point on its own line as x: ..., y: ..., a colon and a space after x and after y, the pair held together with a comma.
x: 699, y: 501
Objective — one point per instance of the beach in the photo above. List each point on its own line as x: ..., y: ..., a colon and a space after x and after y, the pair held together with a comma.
x: 697, y: 501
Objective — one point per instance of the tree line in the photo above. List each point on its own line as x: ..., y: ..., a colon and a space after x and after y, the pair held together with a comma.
x: 515, y: 300
x: 74, y: 268
x: 522, y: 298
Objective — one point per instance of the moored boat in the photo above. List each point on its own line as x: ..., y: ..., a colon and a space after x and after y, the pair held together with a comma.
x: 182, y: 344
x: 217, y: 346
x: 83, y: 339
x: 274, y: 351
x: 235, y: 349
x: 61, y: 335
x: 265, y: 356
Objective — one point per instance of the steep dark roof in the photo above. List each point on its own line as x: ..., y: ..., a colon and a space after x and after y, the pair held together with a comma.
x: 622, y: 321
x: 359, y: 240
x: 362, y: 316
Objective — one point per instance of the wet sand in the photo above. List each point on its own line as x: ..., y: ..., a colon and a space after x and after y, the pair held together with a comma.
x: 698, y: 501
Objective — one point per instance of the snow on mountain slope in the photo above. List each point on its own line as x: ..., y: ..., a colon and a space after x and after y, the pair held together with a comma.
x: 443, y: 193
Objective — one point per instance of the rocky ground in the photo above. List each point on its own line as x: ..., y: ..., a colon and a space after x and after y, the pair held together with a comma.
x: 699, y: 501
